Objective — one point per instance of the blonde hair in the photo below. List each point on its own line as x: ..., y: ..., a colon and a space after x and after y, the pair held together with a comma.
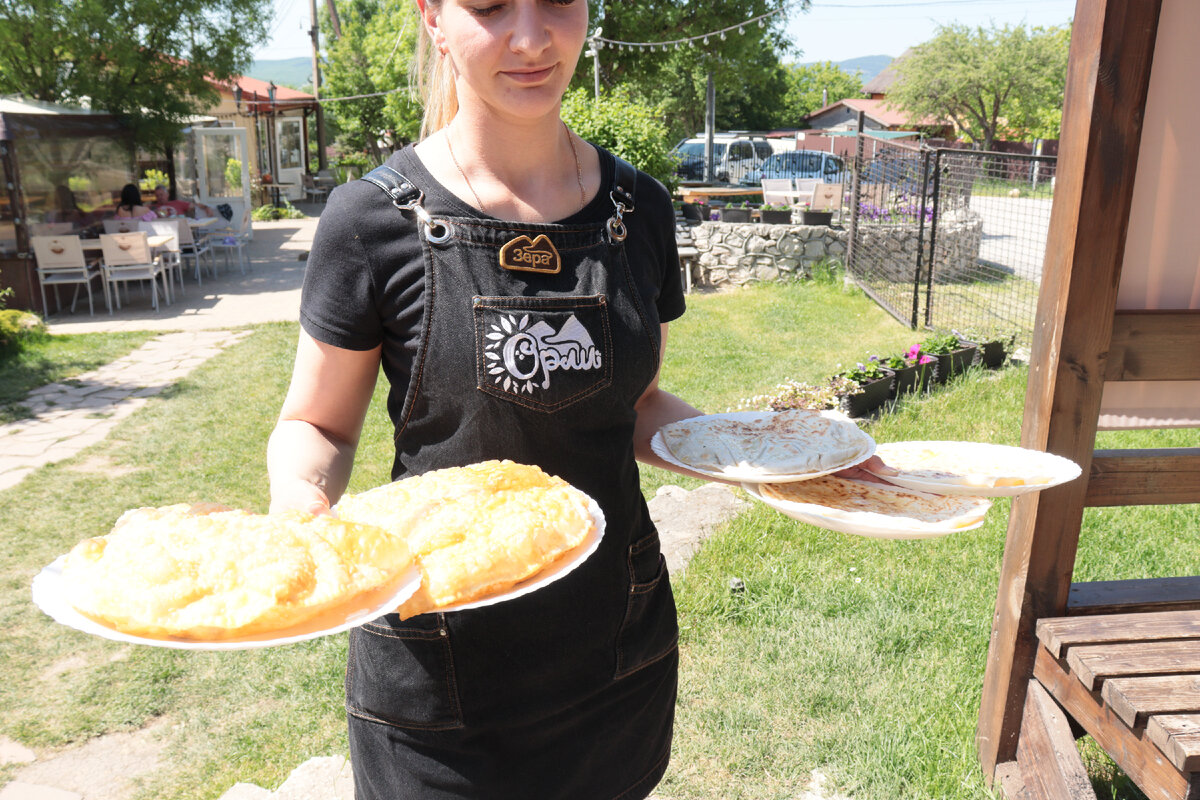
x: 434, y: 79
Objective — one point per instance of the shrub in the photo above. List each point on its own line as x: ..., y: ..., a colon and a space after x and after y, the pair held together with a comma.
x: 269, y: 212
x: 17, y: 327
x: 150, y: 179
x: 634, y: 132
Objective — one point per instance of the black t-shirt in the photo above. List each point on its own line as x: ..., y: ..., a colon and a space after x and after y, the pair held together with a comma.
x: 364, y: 283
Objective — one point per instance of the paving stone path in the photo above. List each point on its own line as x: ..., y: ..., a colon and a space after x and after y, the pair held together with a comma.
x: 77, y: 413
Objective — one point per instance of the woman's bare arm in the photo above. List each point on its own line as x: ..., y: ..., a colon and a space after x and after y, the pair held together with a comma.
x: 311, y: 451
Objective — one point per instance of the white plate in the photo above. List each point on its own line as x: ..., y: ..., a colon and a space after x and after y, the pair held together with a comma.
x: 733, y: 473
x: 49, y: 596
x: 872, y: 524
x: 559, y: 569
x: 1018, y: 463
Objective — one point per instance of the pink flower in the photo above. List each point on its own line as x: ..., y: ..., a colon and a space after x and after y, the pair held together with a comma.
x: 926, y: 360
x: 912, y: 352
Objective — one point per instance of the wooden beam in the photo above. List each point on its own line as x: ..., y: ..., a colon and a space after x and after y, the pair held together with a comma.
x: 1051, y: 768
x: 1144, y: 477
x: 1178, y: 736
x: 1128, y: 596
x: 1154, y: 346
x: 1108, y: 74
x: 1140, y: 758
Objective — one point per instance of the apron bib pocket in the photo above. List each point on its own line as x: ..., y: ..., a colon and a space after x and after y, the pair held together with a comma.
x: 543, y: 353
x: 403, y: 675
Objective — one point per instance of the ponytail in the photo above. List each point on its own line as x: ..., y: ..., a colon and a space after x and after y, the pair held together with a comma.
x: 434, y: 78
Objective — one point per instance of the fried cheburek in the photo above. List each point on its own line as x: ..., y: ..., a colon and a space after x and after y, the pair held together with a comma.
x: 475, y: 530
x: 209, y: 573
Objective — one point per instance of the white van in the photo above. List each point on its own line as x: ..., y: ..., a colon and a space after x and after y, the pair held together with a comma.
x: 735, y: 155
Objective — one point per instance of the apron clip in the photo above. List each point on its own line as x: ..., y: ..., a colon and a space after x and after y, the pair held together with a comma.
x: 436, y: 231
x: 616, y: 223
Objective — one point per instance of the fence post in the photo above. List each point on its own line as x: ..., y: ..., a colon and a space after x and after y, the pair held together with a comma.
x: 854, y: 193
x: 933, y: 226
x: 916, y: 297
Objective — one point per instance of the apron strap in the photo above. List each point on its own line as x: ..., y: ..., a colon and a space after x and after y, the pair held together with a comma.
x: 407, y: 197
x: 621, y: 194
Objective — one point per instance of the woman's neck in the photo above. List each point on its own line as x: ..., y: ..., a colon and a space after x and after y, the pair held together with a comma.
x: 527, y: 170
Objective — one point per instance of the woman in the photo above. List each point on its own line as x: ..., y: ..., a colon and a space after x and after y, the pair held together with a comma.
x: 569, y: 691
x: 130, y: 205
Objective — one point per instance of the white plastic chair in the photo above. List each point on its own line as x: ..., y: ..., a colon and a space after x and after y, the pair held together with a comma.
x: 60, y: 260
x: 169, y: 253
x: 233, y: 239
x: 193, y: 248
x: 120, y: 225
x: 51, y: 228
x: 804, y: 189
x: 778, y: 191
x: 311, y: 190
x: 127, y: 258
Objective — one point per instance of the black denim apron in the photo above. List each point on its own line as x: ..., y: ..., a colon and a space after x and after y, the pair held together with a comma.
x: 568, y: 692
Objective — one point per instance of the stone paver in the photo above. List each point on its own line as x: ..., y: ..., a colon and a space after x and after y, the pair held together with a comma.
x: 20, y: 790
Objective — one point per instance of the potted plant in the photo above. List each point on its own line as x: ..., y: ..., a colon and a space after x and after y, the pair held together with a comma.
x: 952, y: 354
x: 914, y: 370
x: 993, y: 345
x: 872, y: 388
x: 736, y: 212
x: 810, y: 217
x: 695, y: 212
x: 776, y: 214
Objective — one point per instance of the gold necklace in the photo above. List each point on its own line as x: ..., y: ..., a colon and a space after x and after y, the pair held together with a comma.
x: 574, y: 155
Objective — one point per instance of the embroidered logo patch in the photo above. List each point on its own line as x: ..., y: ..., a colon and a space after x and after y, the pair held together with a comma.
x: 531, y: 255
x: 544, y: 353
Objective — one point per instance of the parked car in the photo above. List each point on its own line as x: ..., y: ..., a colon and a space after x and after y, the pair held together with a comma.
x: 734, y: 157
x: 825, y: 167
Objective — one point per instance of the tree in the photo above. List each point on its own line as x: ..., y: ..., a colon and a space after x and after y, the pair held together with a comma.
x: 746, y: 67
x: 634, y: 132
x: 808, y: 86
x: 1004, y: 80
x: 372, y: 56
x: 149, y: 60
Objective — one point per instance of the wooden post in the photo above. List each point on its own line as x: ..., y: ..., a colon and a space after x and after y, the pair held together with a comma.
x: 1108, y: 74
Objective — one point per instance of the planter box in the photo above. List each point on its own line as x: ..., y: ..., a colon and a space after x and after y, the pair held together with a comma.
x: 916, y: 378
x: 955, y: 362
x: 774, y: 217
x: 694, y: 212
x: 992, y: 354
x: 870, y: 396
x: 818, y: 217
x: 735, y: 215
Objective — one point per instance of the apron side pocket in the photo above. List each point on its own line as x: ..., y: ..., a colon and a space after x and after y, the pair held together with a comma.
x: 649, y: 631
x: 403, y: 675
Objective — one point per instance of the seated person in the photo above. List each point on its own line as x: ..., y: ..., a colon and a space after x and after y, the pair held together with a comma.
x: 182, y: 208
x: 130, y: 205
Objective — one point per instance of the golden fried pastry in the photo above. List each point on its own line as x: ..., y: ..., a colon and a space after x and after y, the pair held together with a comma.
x: 209, y: 574
x: 475, y: 530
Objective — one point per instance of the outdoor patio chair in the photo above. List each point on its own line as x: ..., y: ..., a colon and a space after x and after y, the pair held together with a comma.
x: 326, y: 179
x: 127, y: 258
x: 778, y: 191
x: 169, y: 254
x: 51, y: 228
x: 60, y: 260
x: 311, y: 190
x: 228, y: 239
x: 193, y: 248
x: 804, y: 190
x: 120, y: 225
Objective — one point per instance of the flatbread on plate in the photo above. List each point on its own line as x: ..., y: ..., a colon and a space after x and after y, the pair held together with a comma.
x: 872, y: 509
x: 974, y: 468
x: 479, y: 530
x: 207, y: 573
x: 765, y: 445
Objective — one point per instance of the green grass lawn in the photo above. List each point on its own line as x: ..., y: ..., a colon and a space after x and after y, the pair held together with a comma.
x: 861, y: 657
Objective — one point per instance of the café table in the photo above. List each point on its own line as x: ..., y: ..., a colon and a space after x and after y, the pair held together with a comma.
x: 275, y: 187
x: 689, y: 194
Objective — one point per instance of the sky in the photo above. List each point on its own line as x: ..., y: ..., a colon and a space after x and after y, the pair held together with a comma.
x: 830, y: 31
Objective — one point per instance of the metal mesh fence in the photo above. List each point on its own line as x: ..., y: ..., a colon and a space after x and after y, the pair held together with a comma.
x: 953, y: 239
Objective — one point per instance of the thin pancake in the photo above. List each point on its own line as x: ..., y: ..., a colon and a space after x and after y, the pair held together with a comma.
x: 879, y: 504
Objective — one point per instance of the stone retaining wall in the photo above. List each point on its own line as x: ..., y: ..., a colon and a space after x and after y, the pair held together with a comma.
x: 737, y: 253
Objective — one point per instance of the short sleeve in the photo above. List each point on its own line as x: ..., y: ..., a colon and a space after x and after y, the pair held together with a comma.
x: 338, y: 304
x: 670, y: 301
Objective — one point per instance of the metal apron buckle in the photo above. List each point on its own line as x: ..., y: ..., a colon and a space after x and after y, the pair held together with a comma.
x: 616, y: 223
x: 436, y: 231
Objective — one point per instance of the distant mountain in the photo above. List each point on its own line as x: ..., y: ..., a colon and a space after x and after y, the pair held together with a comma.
x: 295, y: 73
x: 870, y: 66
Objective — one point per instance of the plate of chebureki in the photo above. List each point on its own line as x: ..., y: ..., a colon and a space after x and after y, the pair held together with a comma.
x: 208, y: 577
x: 212, y: 578
x: 764, y: 446
x: 973, y: 468
x: 872, y: 509
x: 484, y: 533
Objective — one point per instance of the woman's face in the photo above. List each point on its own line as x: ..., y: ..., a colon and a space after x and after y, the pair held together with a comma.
x: 516, y: 57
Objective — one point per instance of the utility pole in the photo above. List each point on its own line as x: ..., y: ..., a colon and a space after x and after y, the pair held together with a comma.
x: 315, y: 33
x: 710, y: 124
x: 595, y: 44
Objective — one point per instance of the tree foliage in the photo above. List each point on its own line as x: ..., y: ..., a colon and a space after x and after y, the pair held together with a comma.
x: 988, y: 82
x: 747, y: 72
x: 149, y: 60
x: 634, y: 132
x: 809, y: 84
x: 373, y: 55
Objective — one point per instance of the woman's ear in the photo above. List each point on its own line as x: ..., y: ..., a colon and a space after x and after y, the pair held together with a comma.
x: 429, y: 17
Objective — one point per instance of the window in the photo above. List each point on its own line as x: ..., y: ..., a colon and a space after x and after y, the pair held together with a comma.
x: 762, y: 149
